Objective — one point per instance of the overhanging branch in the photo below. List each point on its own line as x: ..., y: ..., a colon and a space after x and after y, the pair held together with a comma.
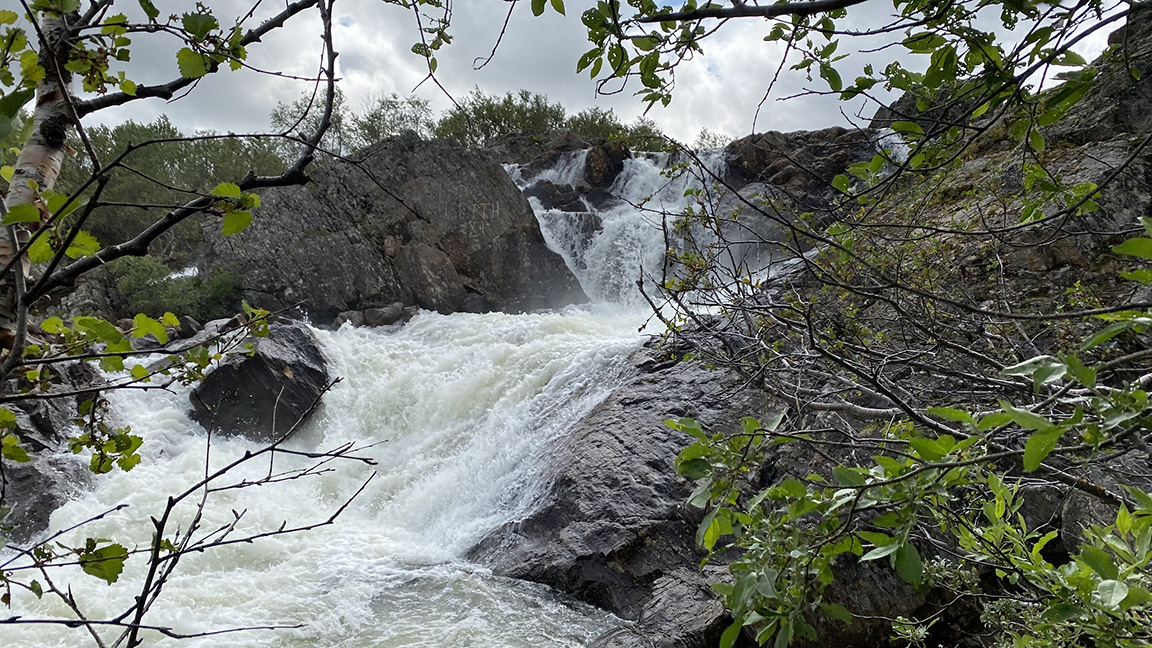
x: 748, y: 11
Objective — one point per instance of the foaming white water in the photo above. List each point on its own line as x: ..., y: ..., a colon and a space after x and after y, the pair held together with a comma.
x: 612, y: 245
x: 463, y: 409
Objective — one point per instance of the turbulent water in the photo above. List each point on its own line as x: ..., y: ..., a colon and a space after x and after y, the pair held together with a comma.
x: 458, y: 413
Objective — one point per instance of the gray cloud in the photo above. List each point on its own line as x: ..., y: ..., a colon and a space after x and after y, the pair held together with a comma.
x: 720, y: 90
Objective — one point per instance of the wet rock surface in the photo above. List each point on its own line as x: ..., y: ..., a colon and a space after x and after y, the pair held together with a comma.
x: 262, y: 396
x: 614, y: 530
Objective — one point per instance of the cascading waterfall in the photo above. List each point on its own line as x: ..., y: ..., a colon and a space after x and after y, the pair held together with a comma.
x: 629, y: 233
x: 461, y: 410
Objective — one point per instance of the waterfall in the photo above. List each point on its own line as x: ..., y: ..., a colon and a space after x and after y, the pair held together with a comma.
x: 611, y: 243
x: 459, y: 411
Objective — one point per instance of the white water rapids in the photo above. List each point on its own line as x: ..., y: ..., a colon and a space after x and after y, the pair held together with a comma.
x: 462, y: 410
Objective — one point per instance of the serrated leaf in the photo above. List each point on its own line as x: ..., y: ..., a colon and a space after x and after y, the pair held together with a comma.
x: 236, y: 222
x: 22, y: 213
x: 144, y: 325
x: 199, y: 25
x: 190, y: 63
x: 40, y: 251
x: 139, y: 372
x: 226, y: 190
x: 105, y: 563
x: 170, y: 319
x: 84, y: 244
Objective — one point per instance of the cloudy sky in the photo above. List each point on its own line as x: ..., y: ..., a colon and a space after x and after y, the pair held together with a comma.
x: 720, y: 91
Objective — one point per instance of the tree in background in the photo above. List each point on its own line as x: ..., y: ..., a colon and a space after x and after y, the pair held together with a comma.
x: 381, y: 117
x: 480, y: 117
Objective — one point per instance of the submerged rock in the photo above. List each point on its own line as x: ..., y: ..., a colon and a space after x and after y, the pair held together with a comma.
x: 262, y: 396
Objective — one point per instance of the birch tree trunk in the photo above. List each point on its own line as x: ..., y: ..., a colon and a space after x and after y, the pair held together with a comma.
x: 38, y: 165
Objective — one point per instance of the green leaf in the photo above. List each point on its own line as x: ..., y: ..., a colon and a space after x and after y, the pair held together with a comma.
x: 139, y: 372
x: 105, y: 563
x: 1139, y: 247
x: 838, y: 612
x: 908, y: 565
x: 84, y: 244
x: 1039, y: 446
x: 236, y: 221
x: 170, y: 319
x: 1100, y: 562
x: 190, y: 63
x: 12, y: 102
x: 848, y: 476
x: 8, y: 17
x: 1143, y: 276
x: 199, y: 25
x: 144, y: 325
x: 731, y: 633
x: 1036, y: 141
x: 1062, y: 612
x: 952, y: 414
x: 1026, y: 419
x: 11, y: 450
x: 1105, y: 335
x: 1112, y: 593
x: 829, y: 74
x: 537, y: 7
x: 22, y: 213
x: 558, y: 6
x: 149, y: 9
x: 226, y: 190
x: 928, y: 449
x: 841, y: 183
x: 880, y: 552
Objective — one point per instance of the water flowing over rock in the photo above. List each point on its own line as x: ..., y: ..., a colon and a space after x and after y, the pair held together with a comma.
x: 262, y: 396
x: 614, y: 529
x: 418, y: 222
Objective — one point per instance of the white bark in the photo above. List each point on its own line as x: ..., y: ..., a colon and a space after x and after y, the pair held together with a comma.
x: 39, y: 162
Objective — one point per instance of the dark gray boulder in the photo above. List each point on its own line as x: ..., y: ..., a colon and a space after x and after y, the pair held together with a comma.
x: 614, y: 530
x: 425, y: 223
x: 36, y: 488
x: 262, y: 396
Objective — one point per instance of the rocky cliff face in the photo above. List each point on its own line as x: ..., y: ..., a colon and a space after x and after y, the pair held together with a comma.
x: 422, y: 223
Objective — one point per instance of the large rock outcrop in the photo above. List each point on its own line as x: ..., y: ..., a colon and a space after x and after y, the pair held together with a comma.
x: 614, y: 530
x: 425, y: 223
